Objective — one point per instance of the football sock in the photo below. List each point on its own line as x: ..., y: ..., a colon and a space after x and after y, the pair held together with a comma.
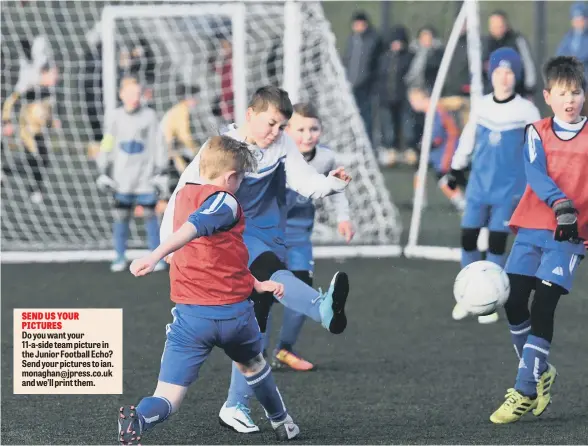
x: 239, y: 390
x: 532, y: 365
x: 266, y: 392
x: 298, y: 296
x: 291, y: 327
x: 519, y: 334
x: 499, y: 259
x: 468, y: 257
x: 153, y: 410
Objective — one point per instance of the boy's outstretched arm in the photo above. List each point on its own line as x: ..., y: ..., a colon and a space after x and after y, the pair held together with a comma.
x: 218, y: 213
x: 463, y: 154
x: 304, y: 179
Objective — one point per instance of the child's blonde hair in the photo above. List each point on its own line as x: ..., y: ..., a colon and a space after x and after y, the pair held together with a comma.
x: 223, y: 154
x: 306, y: 110
x: 128, y: 80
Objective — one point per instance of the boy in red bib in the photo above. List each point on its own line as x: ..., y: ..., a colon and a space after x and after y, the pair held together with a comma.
x: 551, y: 222
x: 210, y: 284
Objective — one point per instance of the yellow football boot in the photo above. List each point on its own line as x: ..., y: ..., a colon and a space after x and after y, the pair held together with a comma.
x: 544, y: 389
x: 514, y: 407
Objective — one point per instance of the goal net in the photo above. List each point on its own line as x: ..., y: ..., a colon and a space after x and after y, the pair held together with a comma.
x: 434, y: 231
x: 169, y: 46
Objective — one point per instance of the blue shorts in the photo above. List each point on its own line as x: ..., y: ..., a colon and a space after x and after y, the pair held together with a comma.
x: 193, y: 333
x: 257, y: 246
x: 300, y: 257
x: 494, y: 217
x: 548, y: 260
x: 133, y: 199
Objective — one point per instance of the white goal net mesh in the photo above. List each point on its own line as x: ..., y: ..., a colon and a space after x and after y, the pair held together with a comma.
x: 166, y: 53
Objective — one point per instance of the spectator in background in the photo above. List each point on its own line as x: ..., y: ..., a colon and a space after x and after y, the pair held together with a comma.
x: 361, y: 63
x: 92, y: 82
x: 32, y: 57
x: 575, y: 42
x: 502, y: 35
x: 36, y: 115
x: 455, y: 97
x: 139, y: 63
x: 428, y: 52
x: 223, y: 65
x: 394, y: 109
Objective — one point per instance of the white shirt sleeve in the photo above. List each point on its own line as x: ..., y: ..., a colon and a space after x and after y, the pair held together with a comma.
x: 465, y: 148
x: 304, y: 179
x: 190, y: 175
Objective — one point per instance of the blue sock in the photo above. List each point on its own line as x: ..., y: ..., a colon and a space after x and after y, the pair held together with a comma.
x: 266, y: 392
x: 532, y: 365
x: 297, y: 295
x: 121, y: 235
x: 291, y: 327
x: 152, y: 229
x: 499, y: 259
x: 239, y: 390
x: 153, y: 410
x: 468, y: 257
x: 519, y: 334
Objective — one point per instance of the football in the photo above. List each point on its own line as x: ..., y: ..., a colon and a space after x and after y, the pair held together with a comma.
x: 481, y: 287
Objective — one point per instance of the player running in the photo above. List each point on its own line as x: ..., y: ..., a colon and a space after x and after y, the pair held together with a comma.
x: 551, y: 222
x: 493, y: 141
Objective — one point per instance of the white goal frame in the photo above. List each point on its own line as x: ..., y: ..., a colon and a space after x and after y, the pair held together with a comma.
x: 469, y: 15
x: 236, y: 11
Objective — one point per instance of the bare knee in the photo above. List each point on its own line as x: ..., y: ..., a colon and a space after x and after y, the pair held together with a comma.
x: 253, y: 366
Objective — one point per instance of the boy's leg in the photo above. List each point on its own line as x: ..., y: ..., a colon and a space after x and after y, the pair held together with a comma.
x: 242, y: 342
x: 554, y: 279
x: 149, y: 201
x: 292, y: 324
x: 499, y: 230
x: 475, y: 217
x: 189, y: 342
x: 120, y: 229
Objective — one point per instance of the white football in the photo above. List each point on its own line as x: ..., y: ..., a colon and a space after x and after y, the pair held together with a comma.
x: 481, y: 287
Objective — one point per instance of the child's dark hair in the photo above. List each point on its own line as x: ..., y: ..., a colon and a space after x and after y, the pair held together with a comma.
x: 565, y: 70
x: 270, y: 95
x: 306, y: 110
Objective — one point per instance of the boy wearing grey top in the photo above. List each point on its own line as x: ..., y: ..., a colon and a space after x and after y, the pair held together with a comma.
x: 132, y: 164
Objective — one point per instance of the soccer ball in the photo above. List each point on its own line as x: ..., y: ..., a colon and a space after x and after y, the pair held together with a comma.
x: 481, y: 287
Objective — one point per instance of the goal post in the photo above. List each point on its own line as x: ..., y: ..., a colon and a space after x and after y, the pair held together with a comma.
x: 287, y: 43
x: 468, y: 16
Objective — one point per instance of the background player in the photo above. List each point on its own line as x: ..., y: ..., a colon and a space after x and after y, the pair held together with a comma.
x: 210, y: 284
x: 263, y: 195
x: 445, y: 136
x: 305, y: 128
x: 132, y: 163
x: 551, y: 223
x: 493, y: 141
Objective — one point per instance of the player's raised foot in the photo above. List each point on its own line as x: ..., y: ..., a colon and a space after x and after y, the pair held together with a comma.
x: 237, y: 418
x: 544, y: 389
x: 286, y: 430
x: 332, y: 307
x: 488, y: 318
x: 285, y: 358
x: 459, y: 313
x: 514, y: 407
x: 129, y: 425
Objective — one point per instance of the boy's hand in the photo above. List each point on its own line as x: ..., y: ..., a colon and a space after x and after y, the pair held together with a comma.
x: 340, y: 173
x: 567, y: 221
x: 269, y: 286
x: 7, y: 129
x: 105, y: 183
x: 142, y: 266
x: 346, y: 230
